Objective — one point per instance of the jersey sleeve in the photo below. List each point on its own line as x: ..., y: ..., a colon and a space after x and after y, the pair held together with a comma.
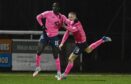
x: 72, y: 28
x: 65, y: 37
x: 66, y: 20
x: 41, y: 16
x: 69, y: 26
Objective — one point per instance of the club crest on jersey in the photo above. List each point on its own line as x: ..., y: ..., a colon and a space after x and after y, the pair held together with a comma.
x: 57, y: 23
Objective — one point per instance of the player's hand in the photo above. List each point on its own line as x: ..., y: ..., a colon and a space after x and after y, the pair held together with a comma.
x: 44, y: 28
x: 60, y: 46
x: 64, y: 25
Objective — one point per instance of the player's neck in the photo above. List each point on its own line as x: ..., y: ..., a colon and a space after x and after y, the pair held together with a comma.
x: 56, y: 13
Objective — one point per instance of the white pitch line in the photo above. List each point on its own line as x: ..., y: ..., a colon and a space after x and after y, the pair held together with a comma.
x: 68, y: 75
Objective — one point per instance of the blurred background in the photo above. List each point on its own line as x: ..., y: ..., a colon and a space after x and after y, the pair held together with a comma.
x: 99, y: 17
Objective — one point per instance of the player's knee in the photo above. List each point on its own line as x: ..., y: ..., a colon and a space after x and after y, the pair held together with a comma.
x: 56, y: 49
x: 70, y: 60
x: 55, y: 55
x: 88, y: 50
x: 55, y: 52
x: 40, y: 49
x: 39, y: 52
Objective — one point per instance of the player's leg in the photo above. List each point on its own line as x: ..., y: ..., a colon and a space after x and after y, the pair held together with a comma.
x: 41, y: 45
x: 71, y: 60
x: 70, y: 65
x: 76, y: 52
x: 55, y: 48
x: 88, y: 49
x: 94, y: 45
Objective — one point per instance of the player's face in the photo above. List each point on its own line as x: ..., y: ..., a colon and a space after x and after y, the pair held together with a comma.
x: 55, y: 7
x: 71, y: 17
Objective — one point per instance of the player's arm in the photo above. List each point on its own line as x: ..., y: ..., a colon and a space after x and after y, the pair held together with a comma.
x: 67, y: 24
x: 65, y: 37
x: 66, y: 20
x: 41, y: 16
x: 72, y: 28
x: 39, y: 19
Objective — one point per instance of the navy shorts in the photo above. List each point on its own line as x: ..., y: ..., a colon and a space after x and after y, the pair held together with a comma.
x: 53, y: 41
x: 79, y: 48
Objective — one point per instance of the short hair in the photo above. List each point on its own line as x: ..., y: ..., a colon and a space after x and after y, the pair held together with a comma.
x: 72, y: 12
x: 56, y: 4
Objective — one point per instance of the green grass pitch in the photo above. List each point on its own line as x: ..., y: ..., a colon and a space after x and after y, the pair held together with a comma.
x: 26, y: 78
